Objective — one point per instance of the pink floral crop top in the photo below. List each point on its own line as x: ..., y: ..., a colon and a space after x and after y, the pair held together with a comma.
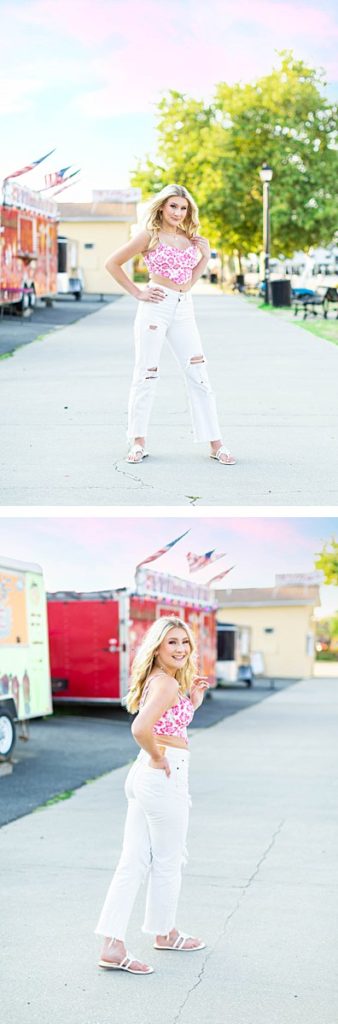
x: 173, y: 722
x: 175, y: 264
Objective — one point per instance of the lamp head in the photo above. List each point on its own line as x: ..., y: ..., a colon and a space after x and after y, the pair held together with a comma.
x: 266, y: 173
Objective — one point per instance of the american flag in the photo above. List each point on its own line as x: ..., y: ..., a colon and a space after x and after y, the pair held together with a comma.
x: 220, y: 576
x: 56, y: 178
x: 29, y: 167
x: 162, y: 551
x: 67, y: 179
x: 196, y: 562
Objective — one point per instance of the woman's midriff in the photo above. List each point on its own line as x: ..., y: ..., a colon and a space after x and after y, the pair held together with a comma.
x: 171, y: 741
x: 167, y: 283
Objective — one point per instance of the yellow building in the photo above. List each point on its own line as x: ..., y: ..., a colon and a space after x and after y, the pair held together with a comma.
x: 281, y: 624
x: 96, y: 229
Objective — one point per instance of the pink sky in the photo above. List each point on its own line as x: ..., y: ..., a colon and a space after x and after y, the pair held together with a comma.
x: 132, y: 51
x: 151, y: 24
x: 89, y: 553
x: 87, y: 79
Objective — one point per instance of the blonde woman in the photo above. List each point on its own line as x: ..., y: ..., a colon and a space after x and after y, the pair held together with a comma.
x: 165, y: 691
x: 175, y: 256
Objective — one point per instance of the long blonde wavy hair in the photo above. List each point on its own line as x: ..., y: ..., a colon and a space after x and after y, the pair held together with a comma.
x: 153, y: 221
x: 145, y: 657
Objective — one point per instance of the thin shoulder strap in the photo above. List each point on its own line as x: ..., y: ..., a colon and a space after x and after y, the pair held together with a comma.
x: 146, y: 688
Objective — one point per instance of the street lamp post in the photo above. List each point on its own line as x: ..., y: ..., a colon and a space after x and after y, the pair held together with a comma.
x: 266, y: 175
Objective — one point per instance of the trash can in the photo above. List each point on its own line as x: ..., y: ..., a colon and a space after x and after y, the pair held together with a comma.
x: 240, y: 282
x: 281, y: 292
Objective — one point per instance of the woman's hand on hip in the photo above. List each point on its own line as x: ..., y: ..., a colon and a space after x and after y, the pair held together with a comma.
x: 152, y: 294
x: 197, y: 690
x: 160, y: 763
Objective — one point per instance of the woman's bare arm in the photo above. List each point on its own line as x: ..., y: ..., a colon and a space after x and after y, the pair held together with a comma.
x: 114, y: 265
x: 115, y: 262
x: 161, y: 696
x: 203, y: 245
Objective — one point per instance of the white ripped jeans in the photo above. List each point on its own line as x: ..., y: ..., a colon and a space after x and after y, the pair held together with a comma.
x: 154, y: 846
x: 172, y: 317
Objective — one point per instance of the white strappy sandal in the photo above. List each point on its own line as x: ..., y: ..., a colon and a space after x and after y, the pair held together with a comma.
x: 229, y: 461
x: 137, y: 449
x: 124, y: 965
x: 179, y: 946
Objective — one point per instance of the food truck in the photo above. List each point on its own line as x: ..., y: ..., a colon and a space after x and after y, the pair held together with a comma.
x: 93, y: 637
x: 25, y: 686
x: 28, y: 246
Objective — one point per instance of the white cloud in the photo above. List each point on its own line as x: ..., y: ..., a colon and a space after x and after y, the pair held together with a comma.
x: 17, y: 94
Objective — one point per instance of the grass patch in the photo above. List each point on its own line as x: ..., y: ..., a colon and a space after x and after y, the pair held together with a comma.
x: 327, y: 329
x: 39, y: 337
x: 56, y: 799
x: 273, y: 309
x: 327, y: 656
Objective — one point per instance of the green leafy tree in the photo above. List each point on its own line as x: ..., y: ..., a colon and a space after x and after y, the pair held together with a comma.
x: 217, y: 150
x: 327, y: 562
x: 327, y: 628
x: 334, y: 627
x: 322, y: 628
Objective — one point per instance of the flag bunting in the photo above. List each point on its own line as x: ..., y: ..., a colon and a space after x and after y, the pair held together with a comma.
x: 55, y: 178
x: 162, y: 551
x: 220, y: 576
x: 196, y: 562
x: 29, y: 167
x: 64, y: 186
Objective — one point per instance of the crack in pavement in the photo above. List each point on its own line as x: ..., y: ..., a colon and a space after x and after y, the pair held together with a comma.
x: 152, y: 487
x: 130, y: 476
x: 244, y: 889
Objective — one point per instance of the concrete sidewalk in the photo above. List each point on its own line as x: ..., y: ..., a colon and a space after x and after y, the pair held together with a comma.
x: 64, y: 402
x: 260, y: 885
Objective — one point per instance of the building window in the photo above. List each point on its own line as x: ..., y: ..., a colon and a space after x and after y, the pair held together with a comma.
x: 268, y: 629
x: 88, y: 245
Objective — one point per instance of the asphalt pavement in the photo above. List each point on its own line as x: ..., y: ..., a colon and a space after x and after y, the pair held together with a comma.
x: 75, y: 745
x: 16, y: 330
x: 64, y: 416
x: 260, y: 885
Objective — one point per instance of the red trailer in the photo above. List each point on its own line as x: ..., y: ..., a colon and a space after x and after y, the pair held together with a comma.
x: 93, y: 637
x: 28, y: 246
